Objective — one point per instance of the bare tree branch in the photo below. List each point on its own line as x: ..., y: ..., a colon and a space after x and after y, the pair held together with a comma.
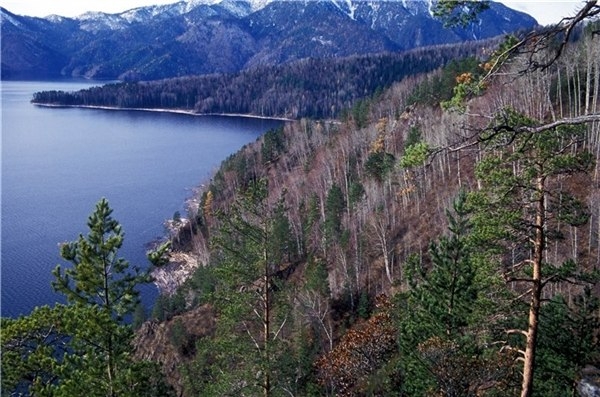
x: 541, y: 40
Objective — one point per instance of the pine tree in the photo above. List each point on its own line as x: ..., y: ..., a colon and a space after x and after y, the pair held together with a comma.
x: 519, y: 209
x: 441, y: 334
x: 98, y: 276
x: 83, y: 348
x: 249, y: 299
x: 334, y: 210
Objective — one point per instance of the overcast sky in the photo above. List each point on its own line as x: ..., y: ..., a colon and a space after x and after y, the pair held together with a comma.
x: 545, y: 11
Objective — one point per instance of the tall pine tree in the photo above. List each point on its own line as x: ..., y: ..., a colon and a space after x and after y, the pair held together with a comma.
x: 522, y: 206
x: 83, y: 348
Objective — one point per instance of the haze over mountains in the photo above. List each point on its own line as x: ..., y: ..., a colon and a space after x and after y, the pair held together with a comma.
x: 225, y: 36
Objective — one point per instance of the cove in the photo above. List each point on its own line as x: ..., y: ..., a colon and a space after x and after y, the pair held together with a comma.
x: 58, y: 162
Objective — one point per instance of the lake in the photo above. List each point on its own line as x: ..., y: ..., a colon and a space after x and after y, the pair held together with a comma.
x: 58, y: 162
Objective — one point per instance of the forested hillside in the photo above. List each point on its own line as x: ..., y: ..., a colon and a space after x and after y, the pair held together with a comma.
x: 441, y: 237
x: 430, y: 242
x: 316, y: 88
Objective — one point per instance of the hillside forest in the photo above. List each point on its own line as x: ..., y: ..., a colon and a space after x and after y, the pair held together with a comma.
x: 440, y: 237
x: 314, y: 88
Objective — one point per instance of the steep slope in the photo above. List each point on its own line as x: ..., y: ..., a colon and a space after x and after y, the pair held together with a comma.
x: 354, y: 210
x: 197, y: 37
x: 26, y: 50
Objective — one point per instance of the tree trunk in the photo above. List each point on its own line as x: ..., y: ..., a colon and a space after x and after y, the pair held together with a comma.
x: 266, y: 314
x: 536, y: 291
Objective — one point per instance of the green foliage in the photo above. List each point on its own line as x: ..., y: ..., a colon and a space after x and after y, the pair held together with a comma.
x: 159, y: 256
x: 166, y: 307
x: 334, y: 210
x: 356, y: 193
x: 304, y: 355
x: 363, y: 309
x: 180, y: 338
x: 273, y: 145
x: 523, y: 206
x: 139, y: 316
x: 459, y: 12
x: 201, y: 284
x: 567, y: 343
x: 440, y: 87
x: 158, y: 310
x: 247, y: 354
x: 471, y: 82
x: 446, y: 292
x: 281, y: 235
x: 63, y: 351
x: 98, y: 276
x: 467, y: 86
x: 504, y: 205
x: 317, y: 278
x: 414, y: 136
x: 82, y: 349
x: 415, y: 155
x: 438, y: 313
x: 379, y: 165
x: 360, y: 113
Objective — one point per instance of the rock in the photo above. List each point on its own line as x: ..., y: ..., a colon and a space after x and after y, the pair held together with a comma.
x: 589, y: 384
x: 172, y: 275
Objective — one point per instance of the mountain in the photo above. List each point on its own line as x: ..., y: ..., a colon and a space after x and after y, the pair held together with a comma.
x: 217, y: 36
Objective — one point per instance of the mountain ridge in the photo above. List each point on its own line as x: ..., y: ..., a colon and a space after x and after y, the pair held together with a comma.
x: 224, y: 36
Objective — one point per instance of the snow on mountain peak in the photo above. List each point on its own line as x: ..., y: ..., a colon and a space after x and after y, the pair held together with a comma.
x: 259, y: 4
x: 6, y: 16
x: 191, y: 4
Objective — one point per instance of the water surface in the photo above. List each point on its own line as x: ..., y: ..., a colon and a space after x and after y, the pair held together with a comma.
x: 58, y: 162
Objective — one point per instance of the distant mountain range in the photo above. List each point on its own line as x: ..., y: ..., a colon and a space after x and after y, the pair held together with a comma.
x: 224, y: 36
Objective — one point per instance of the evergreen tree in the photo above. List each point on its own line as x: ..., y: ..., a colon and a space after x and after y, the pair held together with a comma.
x: 441, y: 337
x: 334, y: 210
x: 82, y: 348
x: 281, y: 231
x: 519, y: 209
x: 567, y: 343
x: 246, y: 353
x: 273, y: 145
x: 98, y: 276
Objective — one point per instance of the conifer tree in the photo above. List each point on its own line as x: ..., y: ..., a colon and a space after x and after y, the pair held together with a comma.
x: 521, y: 206
x: 98, y: 275
x: 83, y: 348
x: 249, y: 299
x: 438, y: 317
x: 334, y: 210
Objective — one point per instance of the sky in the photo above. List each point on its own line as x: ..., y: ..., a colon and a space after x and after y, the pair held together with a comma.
x: 544, y: 11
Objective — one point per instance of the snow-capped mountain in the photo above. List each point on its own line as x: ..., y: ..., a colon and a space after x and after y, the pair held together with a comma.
x: 207, y: 36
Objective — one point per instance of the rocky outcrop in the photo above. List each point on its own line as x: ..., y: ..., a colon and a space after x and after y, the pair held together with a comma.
x: 157, y: 342
x: 172, y: 275
x: 589, y: 384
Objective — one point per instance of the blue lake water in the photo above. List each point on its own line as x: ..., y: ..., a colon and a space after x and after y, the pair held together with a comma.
x: 58, y: 162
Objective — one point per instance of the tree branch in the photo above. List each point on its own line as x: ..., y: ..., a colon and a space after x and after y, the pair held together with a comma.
x: 566, y: 26
x: 588, y: 118
x: 516, y: 331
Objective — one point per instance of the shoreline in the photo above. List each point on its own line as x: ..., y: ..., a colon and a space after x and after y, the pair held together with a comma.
x: 165, y: 110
